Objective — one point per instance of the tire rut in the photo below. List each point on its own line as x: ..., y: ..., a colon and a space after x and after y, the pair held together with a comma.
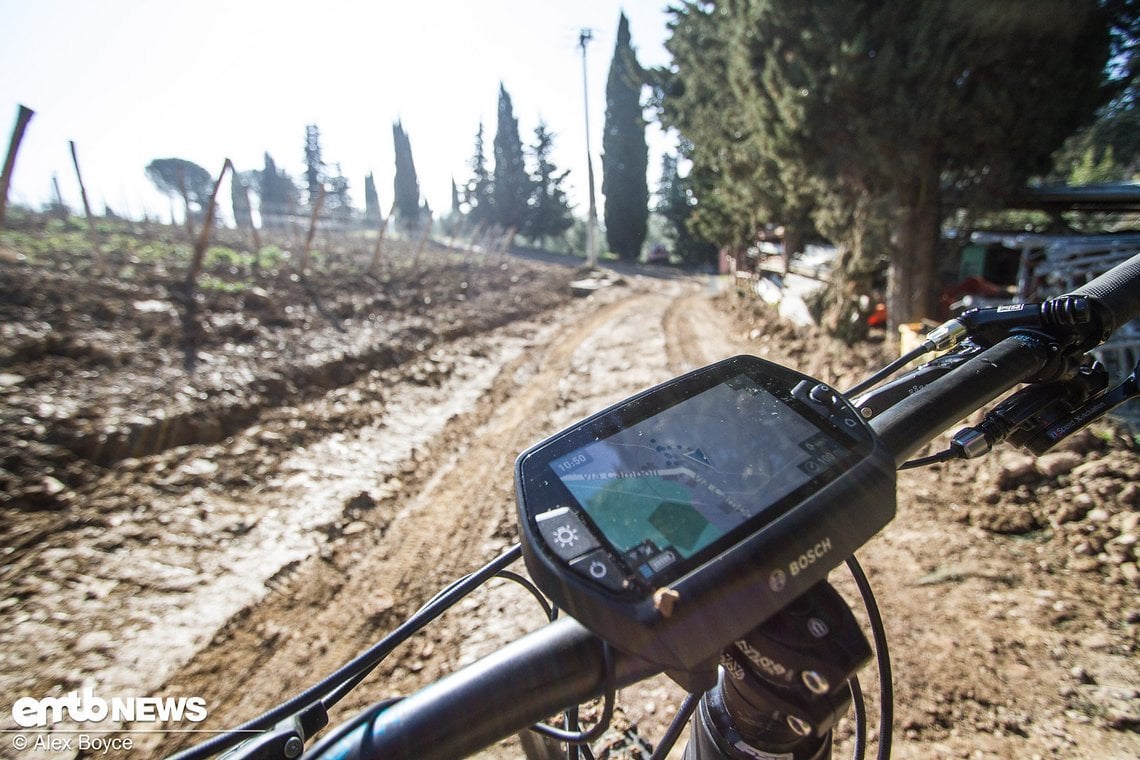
x: 334, y: 605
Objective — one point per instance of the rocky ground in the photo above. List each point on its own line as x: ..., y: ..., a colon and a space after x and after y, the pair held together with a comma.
x: 232, y: 505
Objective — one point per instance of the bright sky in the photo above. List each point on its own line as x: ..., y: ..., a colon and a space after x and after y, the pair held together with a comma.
x: 134, y: 80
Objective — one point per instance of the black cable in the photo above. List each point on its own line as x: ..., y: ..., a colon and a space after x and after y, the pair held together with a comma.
x: 526, y: 583
x: 673, y: 733
x: 890, y: 369
x: 882, y: 658
x: 941, y: 456
x: 447, y: 597
x: 859, y: 751
x: 599, y: 728
x: 336, y: 685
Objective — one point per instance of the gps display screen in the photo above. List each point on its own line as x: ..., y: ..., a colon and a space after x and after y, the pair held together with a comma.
x: 665, y: 488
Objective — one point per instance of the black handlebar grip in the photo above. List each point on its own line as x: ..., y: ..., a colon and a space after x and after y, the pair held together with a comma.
x: 1116, y: 293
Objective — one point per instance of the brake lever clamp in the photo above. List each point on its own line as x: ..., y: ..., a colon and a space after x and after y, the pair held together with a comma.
x: 1052, y: 431
x: 1026, y: 416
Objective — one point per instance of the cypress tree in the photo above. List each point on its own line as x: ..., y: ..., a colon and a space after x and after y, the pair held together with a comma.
x: 625, y: 154
x: 278, y: 195
x: 511, y: 184
x: 371, y: 201
x: 406, y: 185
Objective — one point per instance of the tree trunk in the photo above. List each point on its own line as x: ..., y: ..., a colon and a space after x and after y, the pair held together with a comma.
x: 912, y: 290
x: 794, y: 241
x: 843, y: 305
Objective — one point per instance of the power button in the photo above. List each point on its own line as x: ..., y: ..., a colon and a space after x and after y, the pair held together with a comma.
x: 599, y: 568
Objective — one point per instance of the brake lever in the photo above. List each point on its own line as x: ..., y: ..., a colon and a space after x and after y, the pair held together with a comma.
x: 1082, y: 416
x: 1039, y: 417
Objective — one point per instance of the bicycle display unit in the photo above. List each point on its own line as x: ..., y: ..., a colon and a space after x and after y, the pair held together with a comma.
x: 691, y: 529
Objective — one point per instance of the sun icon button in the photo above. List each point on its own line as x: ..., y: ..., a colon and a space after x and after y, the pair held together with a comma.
x: 565, y: 533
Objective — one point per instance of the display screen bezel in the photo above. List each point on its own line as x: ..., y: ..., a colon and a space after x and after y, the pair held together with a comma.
x: 545, y: 488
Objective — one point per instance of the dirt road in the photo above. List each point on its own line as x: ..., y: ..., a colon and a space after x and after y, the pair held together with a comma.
x: 244, y: 590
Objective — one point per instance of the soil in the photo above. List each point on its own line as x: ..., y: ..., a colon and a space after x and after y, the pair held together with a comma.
x: 231, y: 503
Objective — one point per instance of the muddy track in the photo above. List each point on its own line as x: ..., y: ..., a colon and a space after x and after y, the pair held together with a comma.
x: 245, y: 571
x: 456, y: 512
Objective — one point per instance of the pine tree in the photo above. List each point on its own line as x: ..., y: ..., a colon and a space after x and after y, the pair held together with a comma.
x: 675, y: 204
x: 876, y: 107
x: 477, y: 195
x: 625, y: 154
x: 549, y: 208
x: 511, y: 184
x: 406, y: 185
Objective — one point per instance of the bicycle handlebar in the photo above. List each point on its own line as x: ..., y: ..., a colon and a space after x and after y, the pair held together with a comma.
x: 543, y: 672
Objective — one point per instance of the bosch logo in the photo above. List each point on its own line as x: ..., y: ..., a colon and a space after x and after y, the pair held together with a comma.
x: 810, y: 557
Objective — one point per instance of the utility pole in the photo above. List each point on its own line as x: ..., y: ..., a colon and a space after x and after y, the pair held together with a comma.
x: 592, y: 221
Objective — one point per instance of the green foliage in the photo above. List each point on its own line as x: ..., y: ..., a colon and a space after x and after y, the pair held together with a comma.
x: 221, y: 256
x: 210, y: 283
x: 406, y: 184
x: 676, y: 203
x: 625, y: 154
x: 511, y: 186
x: 273, y: 256
x: 877, y: 107
x: 477, y: 197
x: 548, y: 214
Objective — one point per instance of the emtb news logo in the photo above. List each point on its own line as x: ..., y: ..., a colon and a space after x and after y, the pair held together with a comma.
x: 85, y: 707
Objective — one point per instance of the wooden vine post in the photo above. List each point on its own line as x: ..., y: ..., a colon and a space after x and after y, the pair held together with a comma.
x: 203, y: 240
x: 380, y: 239
x: 423, y: 241
x: 23, y: 116
x: 243, y: 188
x: 92, y: 236
x: 303, y: 264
